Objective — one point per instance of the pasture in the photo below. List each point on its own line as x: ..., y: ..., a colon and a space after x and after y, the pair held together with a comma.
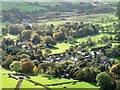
x: 44, y: 80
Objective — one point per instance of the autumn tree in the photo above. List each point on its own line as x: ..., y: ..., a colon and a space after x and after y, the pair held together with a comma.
x: 115, y: 71
x: 27, y: 65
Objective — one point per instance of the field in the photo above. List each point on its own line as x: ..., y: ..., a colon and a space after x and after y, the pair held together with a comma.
x: 60, y: 47
x: 11, y: 83
x: 21, y: 6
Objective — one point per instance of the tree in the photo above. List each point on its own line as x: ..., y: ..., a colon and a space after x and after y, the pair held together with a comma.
x: 7, y: 62
x: 12, y: 49
x: 50, y: 71
x: 104, y: 80
x: 21, y: 56
x: 42, y: 67
x: 35, y: 39
x: 25, y: 35
x: 27, y: 65
x: 4, y: 31
x: 36, y: 62
x: 15, y: 66
x: 8, y: 41
x: 47, y: 52
x: 35, y: 70
x: 15, y: 29
x: 56, y: 36
x: 115, y: 71
x: 48, y: 40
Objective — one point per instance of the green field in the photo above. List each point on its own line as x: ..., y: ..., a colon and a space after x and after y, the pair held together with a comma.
x: 21, y: 6
x: 11, y: 83
x: 14, y: 37
x: 61, y: 46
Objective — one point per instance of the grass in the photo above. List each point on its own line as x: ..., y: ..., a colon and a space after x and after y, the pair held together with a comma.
x: 8, y: 82
x: 45, y: 80
x: 61, y: 47
x: 77, y: 85
x: 21, y: 6
x: 27, y: 84
x: 93, y: 18
x: 14, y: 37
x: 11, y: 83
x: 94, y: 37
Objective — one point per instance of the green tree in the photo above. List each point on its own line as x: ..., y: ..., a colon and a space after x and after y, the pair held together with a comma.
x: 15, y: 66
x: 15, y: 29
x: 25, y: 35
x: 4, y: 31
x: 7, y: 62
x: 35, y: 39
x: 48, y: 40
x: 104, y: 80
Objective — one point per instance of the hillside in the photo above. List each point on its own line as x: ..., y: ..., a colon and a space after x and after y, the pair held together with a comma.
x: 60, y: 0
